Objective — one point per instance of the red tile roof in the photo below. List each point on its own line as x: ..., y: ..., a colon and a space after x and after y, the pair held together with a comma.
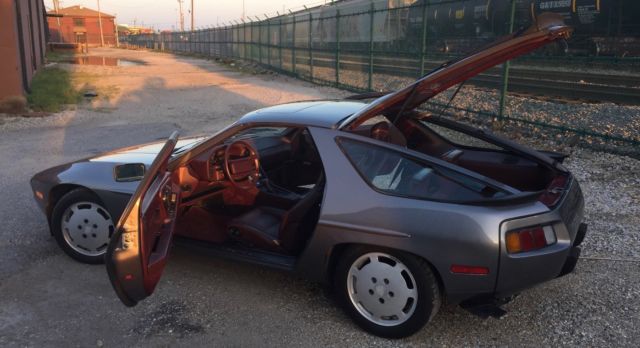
x: 80, y: 11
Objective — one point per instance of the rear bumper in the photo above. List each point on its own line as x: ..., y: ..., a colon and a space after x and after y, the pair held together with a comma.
x: 574, y: 254
x: 486, y: 306
x: 524, y: 270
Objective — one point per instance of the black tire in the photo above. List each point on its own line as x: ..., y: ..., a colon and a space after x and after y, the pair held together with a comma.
x: 428, y: 302
x: 72, y: 197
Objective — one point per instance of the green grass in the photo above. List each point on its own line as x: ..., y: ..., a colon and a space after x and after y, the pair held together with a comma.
x: 51, y: 89
x: 60, y: 56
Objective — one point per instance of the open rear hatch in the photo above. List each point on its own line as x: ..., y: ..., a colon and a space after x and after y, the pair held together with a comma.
x: 547, y: 28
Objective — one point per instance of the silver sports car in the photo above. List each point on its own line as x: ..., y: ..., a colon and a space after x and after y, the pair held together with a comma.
x: 394, y: 208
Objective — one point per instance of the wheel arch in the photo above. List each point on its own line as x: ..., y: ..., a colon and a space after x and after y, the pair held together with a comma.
x: 339, y: 249
x: 58, y: 191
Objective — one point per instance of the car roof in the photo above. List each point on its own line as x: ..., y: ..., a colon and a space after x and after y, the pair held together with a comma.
x: 322, y: 113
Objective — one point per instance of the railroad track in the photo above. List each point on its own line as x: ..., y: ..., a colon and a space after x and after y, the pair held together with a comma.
x: 623, y: 89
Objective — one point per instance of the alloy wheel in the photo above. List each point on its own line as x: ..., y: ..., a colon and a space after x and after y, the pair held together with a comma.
x: 382, y: 289
x: 86, y: 228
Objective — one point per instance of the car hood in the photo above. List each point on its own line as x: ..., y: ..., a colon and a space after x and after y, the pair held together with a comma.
x: 547, y: 28
x: 145, y: 153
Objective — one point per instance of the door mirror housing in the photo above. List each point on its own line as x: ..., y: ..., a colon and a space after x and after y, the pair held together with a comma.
x: 129, y: 172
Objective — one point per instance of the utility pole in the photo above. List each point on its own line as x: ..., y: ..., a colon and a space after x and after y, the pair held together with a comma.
x: 115, y: 23
x: 100, y: 25
x: 505, y: 66
x: 56, y: 7
x: 192, y: 28
x: 243, y: 10
x: 181, y: 16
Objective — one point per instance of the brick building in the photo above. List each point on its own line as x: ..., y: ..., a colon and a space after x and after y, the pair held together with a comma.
x: 22, y: 45
x: 76, y: 24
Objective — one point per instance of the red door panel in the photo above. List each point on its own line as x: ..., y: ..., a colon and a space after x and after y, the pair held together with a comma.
x: 138, y: 251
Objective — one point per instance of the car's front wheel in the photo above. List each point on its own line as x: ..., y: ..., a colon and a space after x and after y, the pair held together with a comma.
x: 82, y: 226
x: 387, y: 292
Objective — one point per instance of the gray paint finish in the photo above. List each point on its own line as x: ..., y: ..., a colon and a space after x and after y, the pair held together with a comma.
x: 443, y: 234
x: 326, y: 114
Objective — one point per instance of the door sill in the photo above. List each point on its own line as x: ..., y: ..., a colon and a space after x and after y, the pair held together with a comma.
x: 240, y: 253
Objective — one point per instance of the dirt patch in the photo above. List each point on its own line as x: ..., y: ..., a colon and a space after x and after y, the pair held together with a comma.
x: 169, y: 318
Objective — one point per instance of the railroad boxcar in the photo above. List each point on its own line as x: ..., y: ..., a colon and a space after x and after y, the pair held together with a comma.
x: 602, y: 27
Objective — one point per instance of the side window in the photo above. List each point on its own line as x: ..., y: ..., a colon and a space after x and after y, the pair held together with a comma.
x: 394, y: 173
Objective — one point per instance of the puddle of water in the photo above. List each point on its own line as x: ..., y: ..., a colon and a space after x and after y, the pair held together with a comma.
x: 105, y: 61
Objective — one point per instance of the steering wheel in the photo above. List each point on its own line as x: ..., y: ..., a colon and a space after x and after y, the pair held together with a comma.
x: 241, y: 164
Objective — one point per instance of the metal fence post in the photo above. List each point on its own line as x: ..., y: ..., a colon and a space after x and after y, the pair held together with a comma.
x: 337, y: 47
x: 505, y: 66
x: 310, y: 48
x: 260, y: 42
x: 244, y: 40
x: 293, y: 46
x: 269, y: 42
x: 280, y: 43
x: 253, y: 40
x: 423, y: 46
x: 370, y: 82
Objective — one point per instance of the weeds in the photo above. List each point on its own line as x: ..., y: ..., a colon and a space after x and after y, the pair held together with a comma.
x: 51, y: 89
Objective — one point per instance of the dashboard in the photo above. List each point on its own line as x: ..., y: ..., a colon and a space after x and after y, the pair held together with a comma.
x: 208, y: 170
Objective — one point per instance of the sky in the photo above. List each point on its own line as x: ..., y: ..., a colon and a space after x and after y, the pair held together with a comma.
x: 163, y: 14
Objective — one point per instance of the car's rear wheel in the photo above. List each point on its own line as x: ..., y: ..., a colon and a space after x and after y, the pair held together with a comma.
x: 386, y: 292
x: 82, y: 226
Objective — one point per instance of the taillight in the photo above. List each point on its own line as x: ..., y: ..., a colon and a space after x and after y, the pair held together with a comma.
x: 531, y: 238
x: 554, y: 191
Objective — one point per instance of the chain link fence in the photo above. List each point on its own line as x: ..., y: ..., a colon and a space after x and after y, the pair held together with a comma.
x: 381, y: 45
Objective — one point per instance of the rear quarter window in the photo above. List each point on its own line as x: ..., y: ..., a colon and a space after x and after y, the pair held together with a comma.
x: 395, y: 173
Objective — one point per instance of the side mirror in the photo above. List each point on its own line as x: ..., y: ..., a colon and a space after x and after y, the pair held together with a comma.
x: 129, y: 172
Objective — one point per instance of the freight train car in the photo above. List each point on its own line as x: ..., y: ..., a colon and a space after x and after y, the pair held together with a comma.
x: 602, y: 27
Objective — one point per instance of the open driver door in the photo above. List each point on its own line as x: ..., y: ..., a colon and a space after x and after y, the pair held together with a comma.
x: 138, y: 251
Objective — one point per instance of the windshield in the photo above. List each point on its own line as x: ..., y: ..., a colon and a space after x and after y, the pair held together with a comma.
x: 184, y: 145
x: 255, y: 132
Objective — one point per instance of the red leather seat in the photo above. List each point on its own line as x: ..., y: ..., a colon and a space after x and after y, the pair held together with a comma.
x: 276, y: 229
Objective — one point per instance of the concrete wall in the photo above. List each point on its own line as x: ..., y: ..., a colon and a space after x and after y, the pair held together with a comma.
x: 22, y: 44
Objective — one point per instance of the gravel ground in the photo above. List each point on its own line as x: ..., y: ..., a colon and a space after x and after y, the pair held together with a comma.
x: 46, y: 299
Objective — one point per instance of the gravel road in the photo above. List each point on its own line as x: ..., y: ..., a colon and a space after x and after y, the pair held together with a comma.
x: 47, y: 299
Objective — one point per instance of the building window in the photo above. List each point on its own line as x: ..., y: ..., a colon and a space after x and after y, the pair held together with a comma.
x: 78, y: 22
